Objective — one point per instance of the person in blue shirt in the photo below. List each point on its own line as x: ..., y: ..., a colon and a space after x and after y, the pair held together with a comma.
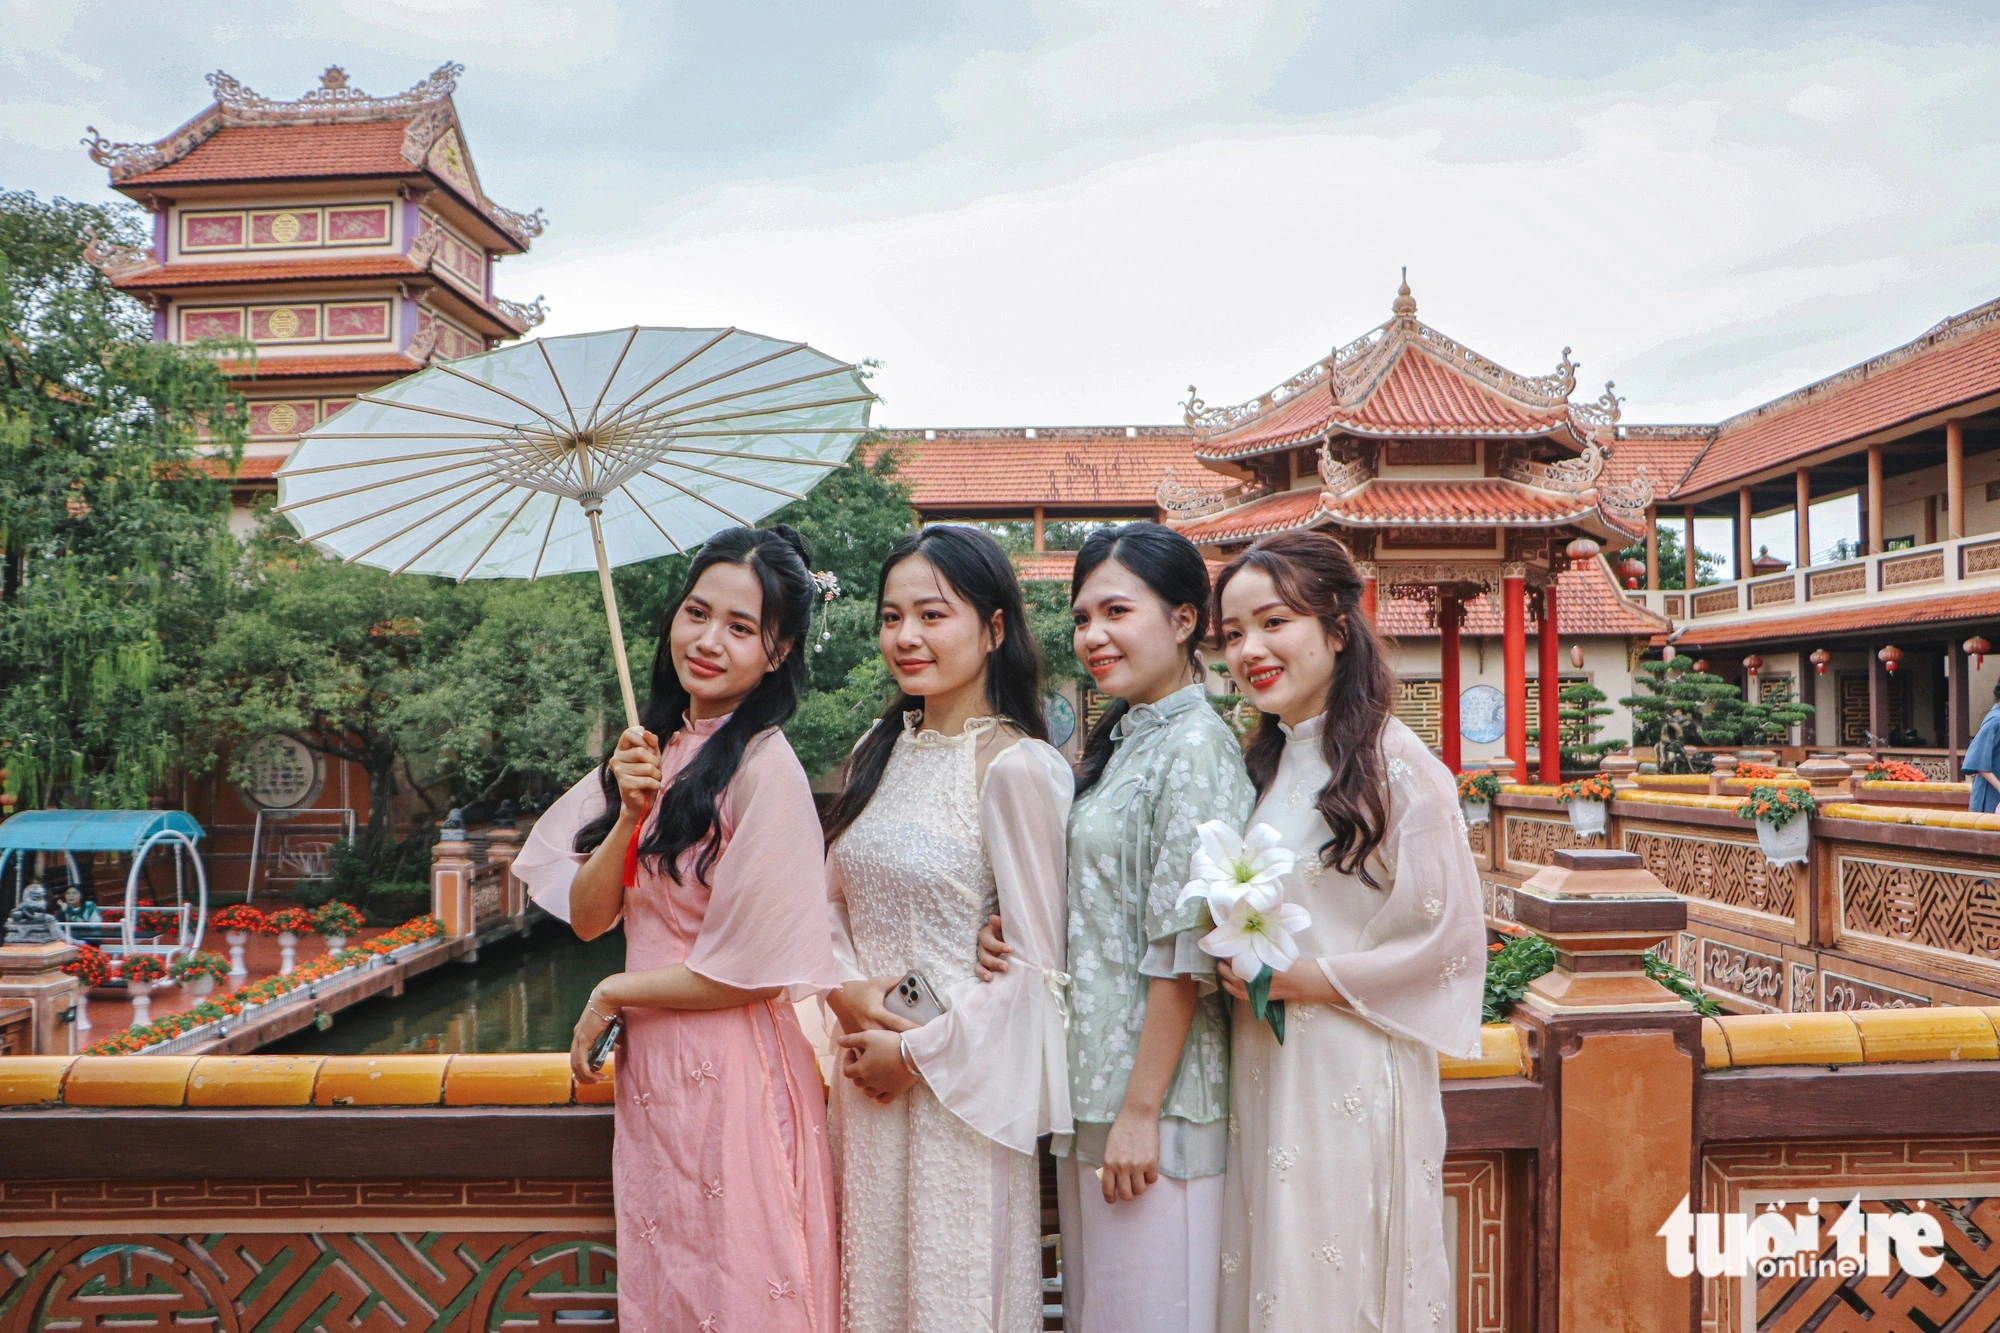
x: 1982, y: 757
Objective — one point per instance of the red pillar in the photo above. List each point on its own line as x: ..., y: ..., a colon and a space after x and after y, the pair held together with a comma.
x: 1514, y: 666
x: 1368, y: 594
x: 1448, y: 684
x: 1548, y: 639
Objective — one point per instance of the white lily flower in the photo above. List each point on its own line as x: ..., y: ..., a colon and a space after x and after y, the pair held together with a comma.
x: 1254, y: 935
x: 1227, y: 867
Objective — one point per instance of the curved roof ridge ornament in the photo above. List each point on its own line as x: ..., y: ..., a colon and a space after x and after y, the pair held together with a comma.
x: 335, y: 100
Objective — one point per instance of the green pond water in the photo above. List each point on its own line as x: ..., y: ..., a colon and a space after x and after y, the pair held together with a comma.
x: 522, y: 995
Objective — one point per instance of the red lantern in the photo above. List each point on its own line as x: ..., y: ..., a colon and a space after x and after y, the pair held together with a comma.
x: 1889, y: 657
x: 1977, y: 648
x: 1752, y: 662
x: 1701, y: 666
x: 1582, y: 549
x: 1669, y: 653
x: 1576, y: 656
x: 1819, y: 658
x: 1632, y: 570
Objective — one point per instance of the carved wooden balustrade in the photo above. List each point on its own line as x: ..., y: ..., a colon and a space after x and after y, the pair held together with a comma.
x: 1896, y: 906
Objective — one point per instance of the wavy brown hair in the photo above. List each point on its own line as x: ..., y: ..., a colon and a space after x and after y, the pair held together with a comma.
x: 1316, y: 577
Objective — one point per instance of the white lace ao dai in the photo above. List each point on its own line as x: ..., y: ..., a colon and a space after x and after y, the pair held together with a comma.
x: 941, y: 1224
x: 1333, y: 1220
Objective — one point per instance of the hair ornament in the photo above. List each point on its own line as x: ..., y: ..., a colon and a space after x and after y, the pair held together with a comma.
x: 829, y: 588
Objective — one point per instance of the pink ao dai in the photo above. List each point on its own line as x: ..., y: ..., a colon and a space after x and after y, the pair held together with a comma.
x: 724, y: 1185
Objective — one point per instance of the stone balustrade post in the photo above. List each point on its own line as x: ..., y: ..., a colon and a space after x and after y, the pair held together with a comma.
x: 1858, y: 760
x: 502, y: 846
x: 1621, y: 768
x: 1503, y: 768
x: 1723, y: 770
x: 1829, y: 778
x: 451, y: 878
x: 1619, y: 1054
x: 33, y: 972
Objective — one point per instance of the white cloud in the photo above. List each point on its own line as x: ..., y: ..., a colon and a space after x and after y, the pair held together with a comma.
x: 1823, y: 102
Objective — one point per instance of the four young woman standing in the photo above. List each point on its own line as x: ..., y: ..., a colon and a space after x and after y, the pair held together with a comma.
x: 1300, y: 1188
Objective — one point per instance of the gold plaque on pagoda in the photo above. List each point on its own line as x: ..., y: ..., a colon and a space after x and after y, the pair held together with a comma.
x: 284, y: 322
x: 285, y: 230
x: 283, y: 418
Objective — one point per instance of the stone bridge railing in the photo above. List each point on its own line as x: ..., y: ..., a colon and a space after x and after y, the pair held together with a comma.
x: 1897, y: 905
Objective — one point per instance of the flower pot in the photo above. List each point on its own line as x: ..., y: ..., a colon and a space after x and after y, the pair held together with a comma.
x: 1587, y: 817
x: 288, y: 948
x: 237, y: 939
x: 1788, y: 845
x: 335, y: 943
x: 200, y: 986
x: 142, y: 1001
x: 1477, y: 812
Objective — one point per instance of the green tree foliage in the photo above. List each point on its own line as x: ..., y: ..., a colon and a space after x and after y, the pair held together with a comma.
x: 1673, y: 559
x: 114, y: 544
x: 1683, y: 707
x: 1580, y: 708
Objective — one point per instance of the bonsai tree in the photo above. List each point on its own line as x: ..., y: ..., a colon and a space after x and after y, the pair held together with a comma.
x: 1581, y: 705
x: 1682, y: 707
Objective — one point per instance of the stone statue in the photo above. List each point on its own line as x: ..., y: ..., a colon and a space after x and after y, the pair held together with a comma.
x: 30, y: 922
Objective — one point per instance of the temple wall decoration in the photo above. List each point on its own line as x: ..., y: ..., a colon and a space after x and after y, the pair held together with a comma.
x: 302, y: 227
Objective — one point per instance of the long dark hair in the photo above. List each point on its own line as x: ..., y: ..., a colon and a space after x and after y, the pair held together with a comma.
x: 1165, y: 562
x: 1315, y: 576
x: 972, y: 564
x: 779, y: 557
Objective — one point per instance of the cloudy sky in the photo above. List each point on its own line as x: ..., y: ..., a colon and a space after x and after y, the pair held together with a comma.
x: 1049, y: 212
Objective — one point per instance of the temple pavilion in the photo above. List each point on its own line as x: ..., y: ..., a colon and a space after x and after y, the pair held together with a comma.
x: 344, y: 238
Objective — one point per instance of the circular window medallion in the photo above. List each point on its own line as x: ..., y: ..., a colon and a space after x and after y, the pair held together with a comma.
x: 283, y: 418
x: 1062, y: 719
x: 285, y: 228
x: 1482, y: 714
x: 284, y: 324
x: 283, y: 774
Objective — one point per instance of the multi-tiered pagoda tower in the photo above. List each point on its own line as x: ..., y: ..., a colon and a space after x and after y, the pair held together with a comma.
x: 346, y: 237
x: 1456, y: 482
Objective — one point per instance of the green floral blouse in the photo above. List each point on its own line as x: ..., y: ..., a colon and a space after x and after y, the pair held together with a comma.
x: 1176, y: 766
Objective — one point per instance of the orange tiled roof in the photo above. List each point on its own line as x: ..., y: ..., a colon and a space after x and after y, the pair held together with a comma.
x: 299, y: 367
x: 1954, y: 363
x: 255, y: 468
x: 278, y: 152
x: 1884, y: 618
x: 1489, y: 500
x: 1666, y: 452
x: 1296, y: 421
x: 1056, y: 565
x: 1272, y: 513
x: 1072, y: 466
x: 1422, y: 396
x: 225, y: 274
x: 1588, y: 602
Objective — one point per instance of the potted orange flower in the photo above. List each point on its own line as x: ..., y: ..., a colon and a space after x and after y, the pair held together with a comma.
x: 1588, y: 800
x: 288, y: 923
x: 141, y: 971
x: 1784, y: 822
x: 1476, y: 791
x: 336, y: 920
x: 237, y: 922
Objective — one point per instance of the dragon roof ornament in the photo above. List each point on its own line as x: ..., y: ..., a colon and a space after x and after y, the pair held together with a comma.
x: 1358, y: 367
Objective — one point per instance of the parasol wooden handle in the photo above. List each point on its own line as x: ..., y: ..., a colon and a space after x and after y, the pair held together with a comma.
x: 617, y: 627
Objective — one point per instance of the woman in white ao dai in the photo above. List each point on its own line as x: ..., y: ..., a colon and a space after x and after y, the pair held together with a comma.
x: 953, y: 810
x: 1334, y: 1215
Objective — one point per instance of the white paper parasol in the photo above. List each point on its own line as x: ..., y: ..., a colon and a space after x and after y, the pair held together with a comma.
x: 573, y: 453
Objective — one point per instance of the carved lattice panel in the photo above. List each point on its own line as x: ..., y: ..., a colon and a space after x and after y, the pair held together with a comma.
x: 1852, y: 689
x: 480, y: 1281
x: 1957, y: 1181
x: 1734, y: 874
x: 1419, y: 705
x: 1750, y: 978
x: 1937, y: 906
x: 1480, y: 838
x: 1536, y: 841
x: 1475, y: 1189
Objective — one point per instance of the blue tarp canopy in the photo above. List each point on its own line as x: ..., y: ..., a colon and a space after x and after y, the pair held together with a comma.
x: 91, y: 830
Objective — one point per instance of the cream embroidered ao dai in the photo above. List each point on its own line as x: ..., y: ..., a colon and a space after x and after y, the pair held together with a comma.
x: 940, y: 1207
x: 1146, y: 1263
x: 1335, y: 1212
